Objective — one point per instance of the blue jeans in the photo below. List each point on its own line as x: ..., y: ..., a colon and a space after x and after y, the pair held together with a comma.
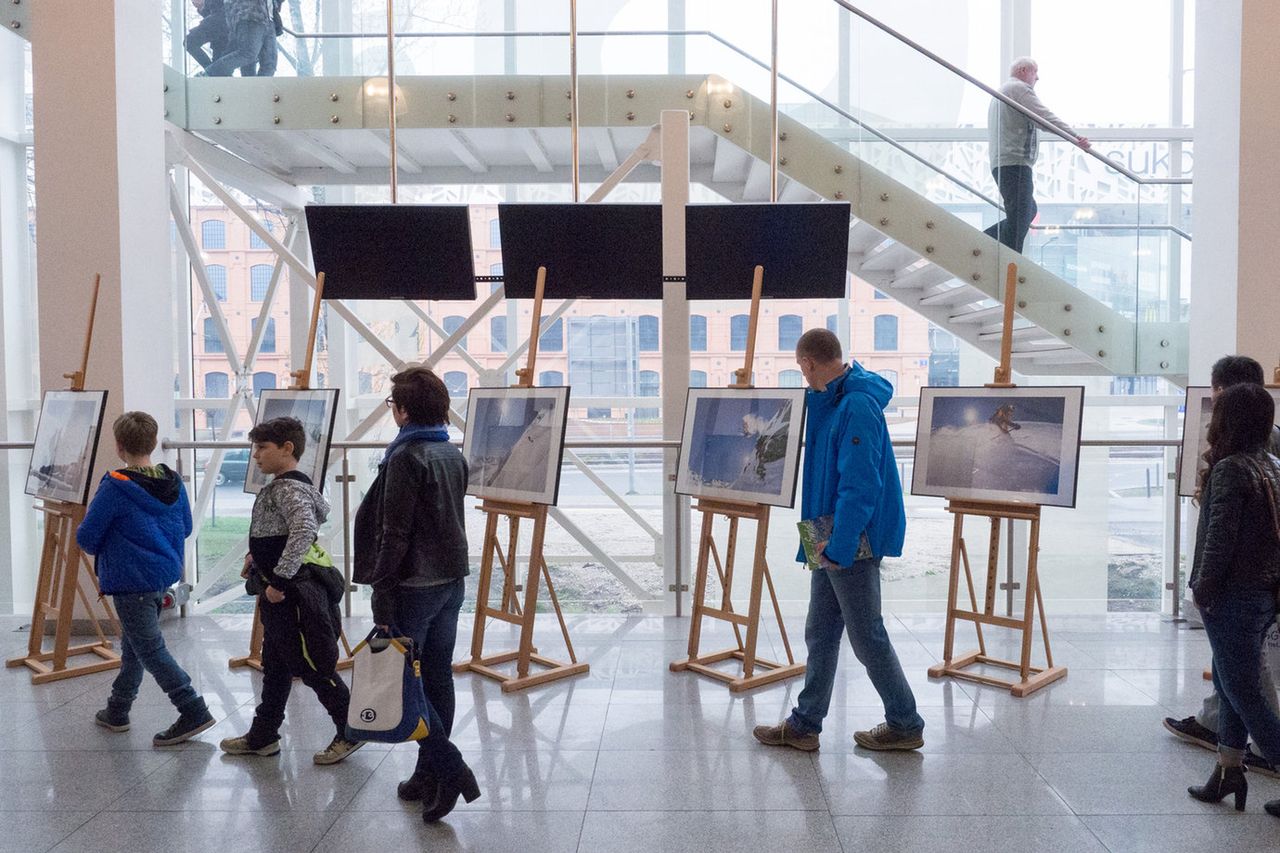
x: 248, y: 45
x: 142, y: 648
x: 1017, y: 191
x: 1235, y: 626
x: 429, y: 615
x: 848, y: 600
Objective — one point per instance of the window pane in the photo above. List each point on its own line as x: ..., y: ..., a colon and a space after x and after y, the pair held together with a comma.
x: 498, y: 334
x: 495, y: 235
x: 791, y: 379
x: 261, y: 380
x: 738, y: 332
x: 217, y: 275
x: 213, y: 234
x: 648, y: 333
x: 697, y: 379
x: 212, y: 342
x: 256, y: 242
x: 892, y: 376
x: 550, y: 378
x: 268, y: 337
x: 456, y: 382
x: 647, y: 385
x: 259, y: 279
x: 215, y: 384
x: 697, y: 333
x: 601, y: 357
x: 833, y: 324
x: 880, y: 295
x: 551, y: 338
x: 451, y: 324
x: 886, y: 332
x: 790, y: 327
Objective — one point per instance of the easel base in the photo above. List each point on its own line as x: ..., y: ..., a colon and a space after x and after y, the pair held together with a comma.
x: 1040, y: 677
x: 737, y: 683
x: 511, y: 683
x: 254, y: 662
x: 42, y: 673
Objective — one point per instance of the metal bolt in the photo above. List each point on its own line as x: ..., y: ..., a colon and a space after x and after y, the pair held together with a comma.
x: 631, y: 116
x: 1164, y: 343
x: 1022, y: 303
x: 728, y: 103
x: 1102, y: 353
x: 166, y: 87
x: 333, y: 119
x: 1022, y: 279
x: 977, y: 252
x: 782, y: 137
x: 275, y: 119
x: 1101, y: 329
x: 839, y: 194
x: 511, y: 96
x: 217, y: 119
x: 568, y: 94
x: 689, y: 94
x: 839, y: 169
x: 884, y: 220
x: 728, y: 128
x: 17, y: 25
x: 452, y: 119
x: 275, y: 99
x: 510, y: 117
x: 929, y: 225
x: 631, y: 93
x: 166, y: 113
x: 884, y: 196
x: 333, y: 96
x: 568, y: 116
x: 217, y: 99
x: 452, y: 96
x: 782, y: 161
x: 1164, y: 364
x: 690, y: 115
x: 976, y: 276
x: 928, y: 250
x: 1066, y: 307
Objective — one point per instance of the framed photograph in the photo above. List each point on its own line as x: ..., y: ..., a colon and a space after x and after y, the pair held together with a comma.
x: 66, y: 445
x: 742, y: 444
x: 317, y: 409
x: 1195, y: 435
x: 514, y: 442
x: 999, y: 444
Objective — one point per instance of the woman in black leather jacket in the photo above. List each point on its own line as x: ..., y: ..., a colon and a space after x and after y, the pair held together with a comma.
x: 1234, y: 577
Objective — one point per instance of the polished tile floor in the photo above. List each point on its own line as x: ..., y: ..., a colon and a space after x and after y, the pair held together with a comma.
x: 633, y: 757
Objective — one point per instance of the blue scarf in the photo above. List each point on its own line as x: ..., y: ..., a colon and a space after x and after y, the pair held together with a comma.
x: 414, y: 432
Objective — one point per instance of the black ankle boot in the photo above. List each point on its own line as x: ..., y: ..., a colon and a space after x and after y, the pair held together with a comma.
x: 461, y: 785
x: 1273, y: 808
x: 418, y: 787
x: 1224, y: 781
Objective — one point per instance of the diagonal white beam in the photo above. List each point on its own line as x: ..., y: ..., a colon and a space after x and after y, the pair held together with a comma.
x: 535, y: 150
x: 462, y: 149
x: 603, y: 141
x: 451, y: 341
x: 404, y: 161
x: 236, y: 172
x: 650, y: 149
x: 305, y: 143
x: 183, y: 226
x: 264, y: 313
x: 482, y: 311
x: 520, y: 350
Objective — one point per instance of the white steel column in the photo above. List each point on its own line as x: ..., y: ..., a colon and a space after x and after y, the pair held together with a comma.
x: 675, y: 348
x: 102, y: 206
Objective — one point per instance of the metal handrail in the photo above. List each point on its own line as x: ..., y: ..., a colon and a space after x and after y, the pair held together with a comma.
x: 1148, y: 226
x: 1005, y: 99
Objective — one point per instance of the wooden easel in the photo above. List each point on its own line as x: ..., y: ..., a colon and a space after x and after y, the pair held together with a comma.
x: 301, y: 382
x: 510, y: 610
x: 58, y: 583
x: 736, y: 511
x: 1030, y: 678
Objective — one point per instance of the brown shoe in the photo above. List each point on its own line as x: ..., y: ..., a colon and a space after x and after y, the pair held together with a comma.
x: 884, y: 738
x: 784, y: 735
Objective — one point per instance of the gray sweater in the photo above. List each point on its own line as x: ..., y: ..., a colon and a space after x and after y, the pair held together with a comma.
x: 1014, y: 138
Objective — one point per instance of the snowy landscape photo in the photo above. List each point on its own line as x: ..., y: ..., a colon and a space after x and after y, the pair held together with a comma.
x: 65, y: 446
x: 514, y: 441
x: 317, y: 409
x: 1003, y: 444
x: 742, y: 444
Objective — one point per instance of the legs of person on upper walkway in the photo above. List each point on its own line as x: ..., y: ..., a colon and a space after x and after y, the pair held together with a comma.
x: 1017, y: 193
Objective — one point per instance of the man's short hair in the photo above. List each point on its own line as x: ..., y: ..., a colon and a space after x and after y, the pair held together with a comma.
x: 422, y: 395
x: 821, y: 345
x: 1235, y: 370
x: 1021, y: 64
x: 136, y: 433
x: 279, y: 430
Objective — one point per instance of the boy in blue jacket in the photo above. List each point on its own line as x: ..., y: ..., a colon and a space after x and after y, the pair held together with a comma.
x: 136, y: 527
x: 850, y: 477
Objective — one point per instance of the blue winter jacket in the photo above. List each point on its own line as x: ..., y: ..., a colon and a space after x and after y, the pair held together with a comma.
x: 849, y: 469
x: 136, y: 527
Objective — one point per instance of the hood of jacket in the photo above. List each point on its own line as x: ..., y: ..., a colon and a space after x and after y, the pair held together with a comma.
x: 154, y: 494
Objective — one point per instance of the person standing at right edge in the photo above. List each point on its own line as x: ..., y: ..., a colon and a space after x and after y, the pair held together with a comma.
x: 411, y: 546
x: 1235, y: 576
x: 850, y: 475
x: 1014, y: 144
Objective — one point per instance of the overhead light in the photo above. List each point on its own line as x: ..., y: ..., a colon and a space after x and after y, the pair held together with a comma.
x: 376, y: 87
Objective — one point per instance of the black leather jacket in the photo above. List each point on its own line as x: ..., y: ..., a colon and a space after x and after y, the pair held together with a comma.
x: 410, y: 528
x: 1237, y: 549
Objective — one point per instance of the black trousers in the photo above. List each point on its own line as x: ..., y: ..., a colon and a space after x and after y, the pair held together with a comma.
x: 297, y: 642
x: 1017, y: 191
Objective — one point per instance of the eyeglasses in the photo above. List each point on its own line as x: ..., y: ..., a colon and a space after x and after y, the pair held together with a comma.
x: 391, y: 403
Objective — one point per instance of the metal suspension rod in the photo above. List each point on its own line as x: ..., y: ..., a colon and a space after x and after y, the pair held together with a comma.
x: 773, y: 104
x: 391, y: 97
x: 573, y: 92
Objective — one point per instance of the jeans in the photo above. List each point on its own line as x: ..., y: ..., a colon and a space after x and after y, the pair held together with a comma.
x: 848, y: 600
x: 211, y: 31
x: 1208, y: 716
x: 248, y: 44
x: 429, y: 616
x: 142, y: 648
x: 1235, y: 627
x: 1017, y: 191
x: 291, y: 648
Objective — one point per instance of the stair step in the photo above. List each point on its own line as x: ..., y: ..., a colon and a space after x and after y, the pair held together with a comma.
x: 1026, y: 334
x: 921, y: 277
x: 891, y: 258
x: 981, y: 315
x: 955, y: 293
x: 1062, y: 355
x: 863, y: 238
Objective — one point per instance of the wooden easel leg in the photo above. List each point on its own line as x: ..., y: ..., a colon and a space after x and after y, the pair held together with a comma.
x: 555, y: 605
x: 700, y: 585
x: 253, y: 659
x: 973, y: 598
x: 948, y: 644
x: 531, y: 594
x: 510, y: 598
x: 482, y: 590
x: 70, y: 585
x: 1028, y: 614
x: 758, y: 569
x: 44, y: 588
x: 993, y: 567
x: 777, y: 612
x: 726, y: 586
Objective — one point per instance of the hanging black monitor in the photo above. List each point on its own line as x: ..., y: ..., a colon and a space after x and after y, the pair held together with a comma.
x: 393, y: 251
x: 591, y: 251
x: 804, y: 249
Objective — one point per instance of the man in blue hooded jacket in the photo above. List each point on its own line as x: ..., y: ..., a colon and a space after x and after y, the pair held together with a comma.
x: 850, y: 478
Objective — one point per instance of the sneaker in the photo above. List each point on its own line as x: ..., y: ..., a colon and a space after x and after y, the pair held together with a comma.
x: 338, y: 749
x: 1192, y: 732
x: 187, y: 727
x: 884, y: 738
x: 1257, y: 764
x: 112, y: 721
x: 240, y: 746
x: 784, y: 735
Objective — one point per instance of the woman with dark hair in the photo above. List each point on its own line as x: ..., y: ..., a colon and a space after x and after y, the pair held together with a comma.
x: 411, y: 546
x: 1235, y: 576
